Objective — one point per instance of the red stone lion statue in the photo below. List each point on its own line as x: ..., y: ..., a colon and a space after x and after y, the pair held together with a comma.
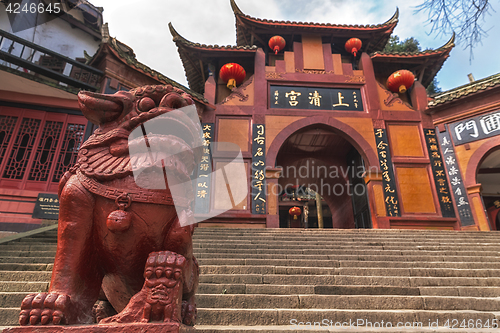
x: 118, y: 241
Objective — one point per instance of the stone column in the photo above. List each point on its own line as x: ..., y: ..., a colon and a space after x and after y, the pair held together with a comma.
x: 319, y: 207
x: 273, y: 218
x: 374, y: 186
x: 477, y: 208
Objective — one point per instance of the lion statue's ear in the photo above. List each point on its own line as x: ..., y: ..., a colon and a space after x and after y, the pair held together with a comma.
x: 101, y: 109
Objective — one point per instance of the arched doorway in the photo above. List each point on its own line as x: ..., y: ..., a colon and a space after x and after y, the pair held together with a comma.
x: 488, y: 175
x: 322, y: 174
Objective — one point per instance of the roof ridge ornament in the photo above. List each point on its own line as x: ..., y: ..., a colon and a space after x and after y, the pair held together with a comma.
x: 236, y: 9
x: 174, y: 33
x: 393, y: 19
x: 449, y: 44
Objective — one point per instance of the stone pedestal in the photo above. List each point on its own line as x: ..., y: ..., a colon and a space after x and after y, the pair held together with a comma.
x: 105, y: 328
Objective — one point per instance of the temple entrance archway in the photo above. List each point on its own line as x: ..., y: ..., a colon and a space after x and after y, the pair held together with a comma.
x: 488, y: 175
x: 323, y: 171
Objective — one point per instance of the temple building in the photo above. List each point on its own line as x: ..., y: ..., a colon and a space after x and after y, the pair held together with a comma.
x: 333, y: 131
x: 327, y: 140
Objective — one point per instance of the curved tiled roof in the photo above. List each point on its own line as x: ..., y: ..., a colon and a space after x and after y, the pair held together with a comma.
x: 176, y: 37
x: 191, y: 55
x: 465, y: 90
x: 392, y: 21
x: 374, y: 37
x: 425, y: 64
x: 126, y: 54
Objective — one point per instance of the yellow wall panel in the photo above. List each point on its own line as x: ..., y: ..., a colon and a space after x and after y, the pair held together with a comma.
x: 363, y: 126
x: 274, y: 125
x: 235, y: 131
x: 312, y: 48
x: 290, y: 62
x: 378, y: 192
x: 222, y: 200
x: 405, y: 140
x: 415, y: 190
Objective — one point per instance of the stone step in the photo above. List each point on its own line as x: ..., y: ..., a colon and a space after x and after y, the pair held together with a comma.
x: 276, y: 289
x: 10, y: 316
x: 27, y: 260
x: 28, y: 247
x: 346, y: 252
x: 12, y: 299
x: 354, y: 249
x: 28, y: 253
x: 358, y: 271
x: 464, y: 291
x: 30, y: 287
x: 41, y: 239
x: 310, y: 328
x: 25, y: 267
x: 377, y: 238
x: 289, y: 279
x: 25, y: 276
x: 338, y: 244
x: 387, y: 234
x: 235, y: 316
x: 355, y: 302
x: 346, y: 263
x: 365, y: 257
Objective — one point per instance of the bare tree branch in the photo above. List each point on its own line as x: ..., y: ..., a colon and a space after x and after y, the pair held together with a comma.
x: 464, y: 17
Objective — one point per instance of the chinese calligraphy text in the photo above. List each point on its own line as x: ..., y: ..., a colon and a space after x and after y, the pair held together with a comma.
x: 316, y: 98
x: 258, y: 169
x: 389, y: 183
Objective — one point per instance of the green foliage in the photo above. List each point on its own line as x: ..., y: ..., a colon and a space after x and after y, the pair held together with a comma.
x: 433, y: 88
x: 408, y: 45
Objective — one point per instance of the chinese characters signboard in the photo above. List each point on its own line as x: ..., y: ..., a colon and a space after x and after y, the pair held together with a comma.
x: 476, y: 128
x: 202, y: 185
x: 442, y: 187
x: 258, y: 169
x: 389, y: 184
x: 315, y: 98
x: 46, y: 207
x: 457, y: 184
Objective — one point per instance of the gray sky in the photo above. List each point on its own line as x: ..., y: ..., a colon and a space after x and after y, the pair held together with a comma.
x: 144, y: 27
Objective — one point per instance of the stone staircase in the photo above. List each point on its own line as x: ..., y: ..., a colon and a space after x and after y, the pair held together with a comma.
x: 276, y: 280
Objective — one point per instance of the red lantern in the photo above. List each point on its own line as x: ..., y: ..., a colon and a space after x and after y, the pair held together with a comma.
x: 353, y: 45
x: 400, y: 81
x: 277, y: 43
x: 233, y: 74
x: 294, y: 211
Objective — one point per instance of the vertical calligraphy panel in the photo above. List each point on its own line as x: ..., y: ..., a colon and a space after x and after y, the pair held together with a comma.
x: 440, y: 180
x: 389, y: 183
x: 455, y: 177
x: 203, y: 181
x: 258, y: 169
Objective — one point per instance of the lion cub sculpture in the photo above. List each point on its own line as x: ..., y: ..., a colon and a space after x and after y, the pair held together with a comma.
x: 116, y: 240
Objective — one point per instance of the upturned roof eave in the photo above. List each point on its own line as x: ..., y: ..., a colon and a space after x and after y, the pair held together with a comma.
x: 133, y: 63
x: 464, y: 91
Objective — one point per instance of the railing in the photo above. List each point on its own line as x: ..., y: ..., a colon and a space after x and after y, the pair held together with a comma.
x: 22, y: 53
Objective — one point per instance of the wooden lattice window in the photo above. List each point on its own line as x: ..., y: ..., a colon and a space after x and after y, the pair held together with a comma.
x: 83, y: 75
x: 7, y: 126
x: 44, y: 155
x: 37, y: 147
x: 73, y: 139
x: 21, y: 150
